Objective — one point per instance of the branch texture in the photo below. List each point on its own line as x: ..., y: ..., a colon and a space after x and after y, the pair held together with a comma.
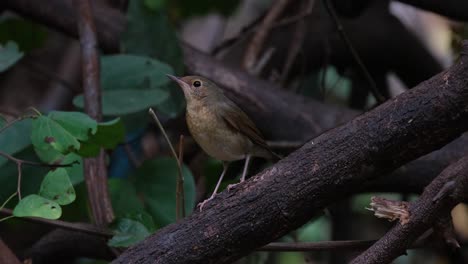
x: 94, y: 168
x: 291, y: 192
x: 423, y: 214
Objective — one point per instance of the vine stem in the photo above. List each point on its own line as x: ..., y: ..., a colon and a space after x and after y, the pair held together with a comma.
x: 180, y: 199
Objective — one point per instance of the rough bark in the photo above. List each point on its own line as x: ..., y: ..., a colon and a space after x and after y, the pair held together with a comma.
x: 423, y: 214
x: 6, y: 255
x: 288, y: 194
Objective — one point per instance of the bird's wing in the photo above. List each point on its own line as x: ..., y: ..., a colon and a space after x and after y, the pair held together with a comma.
x: 237, y: 120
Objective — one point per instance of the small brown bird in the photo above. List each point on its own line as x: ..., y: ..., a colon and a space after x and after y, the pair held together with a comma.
x: 219, y: 126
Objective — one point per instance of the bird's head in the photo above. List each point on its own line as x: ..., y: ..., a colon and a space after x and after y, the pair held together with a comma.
x: 196, y: 87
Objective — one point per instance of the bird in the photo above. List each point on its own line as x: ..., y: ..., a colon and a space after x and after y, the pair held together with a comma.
x: 220, y: 127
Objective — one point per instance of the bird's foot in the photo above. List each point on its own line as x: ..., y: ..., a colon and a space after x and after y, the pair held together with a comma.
x: 232, y: 186
x: 200, y: 205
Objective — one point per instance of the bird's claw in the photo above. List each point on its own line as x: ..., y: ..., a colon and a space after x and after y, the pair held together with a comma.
x: 232, y: 186
x: 200, y: 205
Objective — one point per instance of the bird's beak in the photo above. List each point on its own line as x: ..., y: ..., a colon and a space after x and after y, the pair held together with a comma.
x: 177, y: 80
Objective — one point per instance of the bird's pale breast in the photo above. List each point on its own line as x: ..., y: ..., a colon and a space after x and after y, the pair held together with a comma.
x: 215, y: 137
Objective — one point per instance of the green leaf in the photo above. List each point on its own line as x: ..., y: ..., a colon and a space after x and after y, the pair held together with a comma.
x: 75, y: 171
x: 156, y: 182
x: 109, y: 135
x: 2, y: 121
x: 125, y: 71
x: 37, y: 206
x: 78, y: 124
x: 149, y: 33
x: 49, y: 154
x: 124, y: 198
x: 57, y: 187
x: 47, y: 133
x: 9, y: 55
x: 128, y: 232
x: 315, y: 230
x: 15, y: 138
x: 27, y: 34
x: 155, y: 4
x: 122, y: 102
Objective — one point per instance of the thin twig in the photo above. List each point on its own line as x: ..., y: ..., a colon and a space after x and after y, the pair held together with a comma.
x: 33, y: 163
x: 256, y: 44
x: 20, y: 162
x: 160, y: 126
x: 80, y: 227
x: 20, y: 175
x: 373, y: 87
x: 180, y: 195
x: 7, y: 200
x: 297, y: 40
x: 9, y: 124
x: 264, y: 59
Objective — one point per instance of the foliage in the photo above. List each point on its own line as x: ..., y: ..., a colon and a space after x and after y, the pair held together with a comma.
x: 28, y: 35
x: 56, y: 139
x: 156, y: 181
x: 9, y: 55
x: 150, y: 34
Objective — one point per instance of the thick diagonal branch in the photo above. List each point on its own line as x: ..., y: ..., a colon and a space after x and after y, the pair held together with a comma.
x: 291, y: 192
x: 422, y: 214
x: 6, y: 255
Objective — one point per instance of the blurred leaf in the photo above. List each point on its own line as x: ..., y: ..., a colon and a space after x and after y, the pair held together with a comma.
x: 47, y: 133
x: 78, y: 124
x: 316, y: 230
x: 124, y: 197
x: 291, y: 257
x: 156, y: 182
x: 15, y: 138
x: 128, y: 232
x: 109, y: 135
x: 123, y: 71
x: 188, y: 8
x: 9, y: 55
x: 57, y: 187
x: 149, y: 33
x: 28, y: 35
x: 155, y: 4
x: 37, y: 206
x: 122, y: 102
x: 2, y: 121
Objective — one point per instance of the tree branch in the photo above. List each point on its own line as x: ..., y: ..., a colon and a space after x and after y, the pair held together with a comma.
x: 454, y: 9
x: 423, y: 214
x: 94, y: 168
x: 287, y: 195
x: 6, y: 255
x: 256, y: 44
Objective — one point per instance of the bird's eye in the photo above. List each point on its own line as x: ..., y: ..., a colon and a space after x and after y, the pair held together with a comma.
x: 196, y: 84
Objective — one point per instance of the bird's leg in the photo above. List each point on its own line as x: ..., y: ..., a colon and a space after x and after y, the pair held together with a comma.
x: 225, y: 167
x: 244, y: 172
x: 246, y: 167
